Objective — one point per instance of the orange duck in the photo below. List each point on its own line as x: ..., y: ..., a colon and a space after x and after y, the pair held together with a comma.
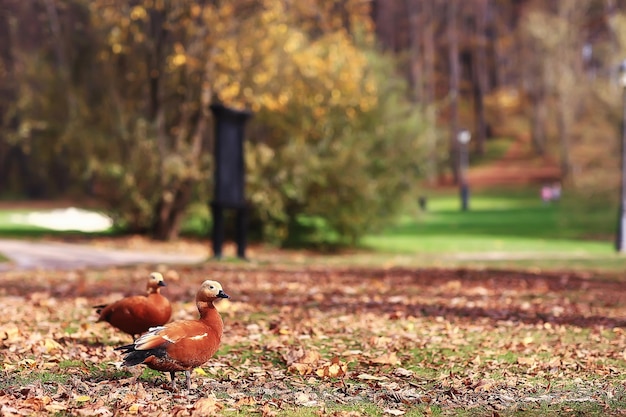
x: 181, y: 345
x: 135, y: 315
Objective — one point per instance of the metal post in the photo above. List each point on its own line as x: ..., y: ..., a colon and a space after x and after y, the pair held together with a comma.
x: 464, y: 187
x: 463, y: 138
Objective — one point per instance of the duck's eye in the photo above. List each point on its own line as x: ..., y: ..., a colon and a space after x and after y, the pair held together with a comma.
x: 212, y: 287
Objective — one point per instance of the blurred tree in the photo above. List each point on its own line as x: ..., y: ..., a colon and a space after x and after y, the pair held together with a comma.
x: 556, y: 57
x: 35, y: 97
x: 330, y: 121
x: 455, y: 75
x: 596, y: 149
x: 422, y: 27
x: 114, y: 94
x: 480, y: 70
x: 154, y: 65
x: 536, y: 90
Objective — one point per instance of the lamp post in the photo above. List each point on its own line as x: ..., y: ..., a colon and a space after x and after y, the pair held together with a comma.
x: 463, y: 137
x: 620, y: 243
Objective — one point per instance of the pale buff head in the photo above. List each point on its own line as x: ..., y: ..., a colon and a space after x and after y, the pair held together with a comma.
x: 155, y: 282
x: 210, y: 291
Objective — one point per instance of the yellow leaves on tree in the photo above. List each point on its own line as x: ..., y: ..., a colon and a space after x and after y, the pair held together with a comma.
x: 259, y: 59
x: 178, y: 58
x: 138, y: 13
x: 271, y: 63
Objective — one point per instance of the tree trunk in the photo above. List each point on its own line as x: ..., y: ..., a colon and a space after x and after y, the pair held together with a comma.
x: 416, y: 76
x: 453, y: 58
x: 170, y: 210
x: 421, y: 65
x: 187, y: 143
x: 564, y: 122
x: 158, y: 34
x: 538, y: 122
x: 480, y: 75
x: 384, y: 17
x: 63, y: 64
x: 429, y: 106
x: 7, y: 94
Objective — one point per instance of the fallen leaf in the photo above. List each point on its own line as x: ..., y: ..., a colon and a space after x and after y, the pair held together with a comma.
x: 51, y: 345
x: 484, y: 385
x: 300, y: 368
x: 34, y: 403
x: 403, y: 372
x: 94, y: 412
x: 268, y: 411
x: 199, y: 371
x: 387, y: 359
x: 333, y: 370
x: 245, y: 401
x: 526, y: 361
x: 206, y: 407
x: 9, y: 333
x: 369, y: 377
x: 55, y: 407
x: 305, y: 400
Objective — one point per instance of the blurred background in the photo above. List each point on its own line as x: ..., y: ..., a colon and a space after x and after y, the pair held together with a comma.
x: 359, y: 108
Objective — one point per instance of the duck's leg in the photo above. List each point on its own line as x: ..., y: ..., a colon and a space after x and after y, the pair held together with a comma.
x: 188, y: 378
x: 173, y: 376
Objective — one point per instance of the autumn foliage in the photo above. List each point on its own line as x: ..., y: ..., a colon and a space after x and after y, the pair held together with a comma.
x: 125, y: 112
x: 336, y: 341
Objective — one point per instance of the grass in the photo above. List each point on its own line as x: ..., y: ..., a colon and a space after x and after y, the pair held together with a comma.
x: 10, y: 379
x: 357, y: 409
x: 500, y: 221
x: 8, y: 227
x: 504, y: 228
x: 463, y: 345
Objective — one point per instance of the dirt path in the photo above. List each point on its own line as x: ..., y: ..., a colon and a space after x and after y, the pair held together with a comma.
x: 57, y: 255
x: 518, y: 166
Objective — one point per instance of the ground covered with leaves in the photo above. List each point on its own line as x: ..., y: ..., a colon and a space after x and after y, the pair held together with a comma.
x: 309, y: 340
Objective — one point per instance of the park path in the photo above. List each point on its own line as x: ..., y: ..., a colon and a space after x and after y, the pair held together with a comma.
x: 25, y: 254
x: 518, y: 166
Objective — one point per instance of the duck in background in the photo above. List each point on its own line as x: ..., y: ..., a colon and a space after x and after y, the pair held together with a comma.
x: 135, y: 315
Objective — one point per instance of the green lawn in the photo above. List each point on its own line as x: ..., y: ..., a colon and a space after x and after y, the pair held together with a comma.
x: 505, y: 221
x: 507, y: 227
x: 8, y: 227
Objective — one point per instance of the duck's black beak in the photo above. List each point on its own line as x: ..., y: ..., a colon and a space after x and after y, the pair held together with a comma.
x: 162, y: 284
x: 222, y: 294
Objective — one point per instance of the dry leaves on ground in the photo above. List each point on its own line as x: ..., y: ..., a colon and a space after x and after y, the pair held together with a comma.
x: 336, y: 340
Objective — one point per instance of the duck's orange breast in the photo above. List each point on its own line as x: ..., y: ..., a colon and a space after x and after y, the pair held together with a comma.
x: 196, y: 348
x: 182, y: 345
